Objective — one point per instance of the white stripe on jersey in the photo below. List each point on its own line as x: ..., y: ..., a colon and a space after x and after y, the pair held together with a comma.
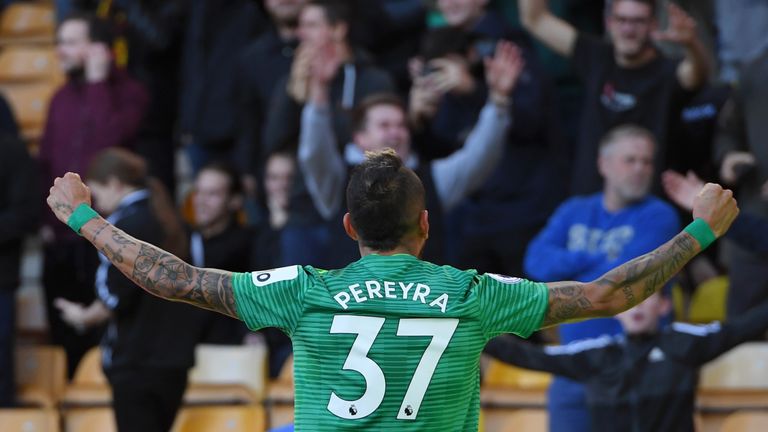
x: 582, y: 345
x: 697, y: 329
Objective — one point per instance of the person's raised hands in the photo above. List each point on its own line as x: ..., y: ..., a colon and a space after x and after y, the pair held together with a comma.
x: 503, y: 70
x: 681, y: 189
x: 681, y: 28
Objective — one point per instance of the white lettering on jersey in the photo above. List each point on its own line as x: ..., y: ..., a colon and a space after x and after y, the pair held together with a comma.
x: 267, y: 277
x: 504, y: 278
x: 421, y: 293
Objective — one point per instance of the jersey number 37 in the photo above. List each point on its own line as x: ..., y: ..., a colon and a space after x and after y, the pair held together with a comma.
x: 367, y: 329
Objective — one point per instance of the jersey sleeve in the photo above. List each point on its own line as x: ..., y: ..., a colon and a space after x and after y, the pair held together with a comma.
x: 272, y: 298
x: 511, y: 305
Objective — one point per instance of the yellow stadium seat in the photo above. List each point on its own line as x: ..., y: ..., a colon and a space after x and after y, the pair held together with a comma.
x: 29, y: 103
x: 234, y: 373
x: 90, y: 420
x: 41, y: 375
x: 514, y: 420
x: 746, y: 421
x: 89, y: 386
x: 25, y: 22
x: 29, y: 64
x: 29, y: 420
x: 500, y: 374
x: 743, y: 367
x: 221, y: 419
x: 280, y: 394
x: 708, y: 301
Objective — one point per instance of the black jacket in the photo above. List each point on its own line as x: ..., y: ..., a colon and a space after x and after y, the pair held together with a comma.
x: 19, y: 206
x: 145, y: 331
x: 641, y: 383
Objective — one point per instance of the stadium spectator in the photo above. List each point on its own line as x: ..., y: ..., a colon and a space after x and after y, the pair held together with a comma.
x: 99, y: 106
x: 148, y: 346
x: 217, y: 238
x: 216, y: 32
x: 323, y: 31
x: 587, y: 235
x: 336, y: 324
x: 743, y: 159
x: 147, y: 43
x: 527, y: 183
x: 645, y: 380
x: 279, y: 173
x: 261, y: 65
x: 380, y: 122
x: 19, y: 215
x: 627, y: 79
x: 739, y: 21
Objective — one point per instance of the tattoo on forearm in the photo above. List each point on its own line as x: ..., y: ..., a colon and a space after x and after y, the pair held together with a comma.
x: 163, y: 274
x: 636, y: 280
x: 102, y: 227
x: 113, y: 255
x: 63, y: 206
x: 567, y: 301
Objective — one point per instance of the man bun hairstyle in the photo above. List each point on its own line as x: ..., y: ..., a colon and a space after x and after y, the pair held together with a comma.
x: 385, y: 200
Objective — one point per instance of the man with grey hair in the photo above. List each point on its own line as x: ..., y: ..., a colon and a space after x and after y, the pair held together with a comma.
x: 627, y: 79
x: 588, y: 234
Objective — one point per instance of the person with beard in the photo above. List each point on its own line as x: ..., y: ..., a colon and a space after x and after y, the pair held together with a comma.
x: 627, y: 79
x: 589, y: 234
x: 99, y: 106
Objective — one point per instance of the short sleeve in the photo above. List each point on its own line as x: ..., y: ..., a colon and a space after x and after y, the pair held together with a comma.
x: 511, y: 305
x: 272, y: 298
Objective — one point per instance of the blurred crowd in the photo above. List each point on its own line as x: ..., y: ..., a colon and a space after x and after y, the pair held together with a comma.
x: 541, y: 130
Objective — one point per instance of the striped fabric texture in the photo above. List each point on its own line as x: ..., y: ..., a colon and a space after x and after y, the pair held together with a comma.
x: 389, y: 342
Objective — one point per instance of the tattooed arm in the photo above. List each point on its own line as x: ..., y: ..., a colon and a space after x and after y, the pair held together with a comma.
x: 634, y: 281
x: 153, y: 269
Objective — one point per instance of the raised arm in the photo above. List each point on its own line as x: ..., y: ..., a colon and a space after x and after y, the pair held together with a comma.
x: 320, y: 161
x: 554, y: 32
x: 153, y: 269
x: 461, y: 173
x: 634, y: 281
x: 693, y: 71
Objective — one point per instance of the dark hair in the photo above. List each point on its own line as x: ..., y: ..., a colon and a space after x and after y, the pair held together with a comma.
x: 335, y: 11
x: 131, y: 169
x: 384, y: 199
x: 650, y: 3
x: 125, y: 166
x: 443, y: 41
x: 360, y: 113
x: 228, y: 170
x: 99, y: 29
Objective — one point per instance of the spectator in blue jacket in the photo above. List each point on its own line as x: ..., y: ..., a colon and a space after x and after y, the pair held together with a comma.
x: 588, y: 235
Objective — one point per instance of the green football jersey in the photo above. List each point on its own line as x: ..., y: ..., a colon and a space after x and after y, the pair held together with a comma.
x: 388, y: 342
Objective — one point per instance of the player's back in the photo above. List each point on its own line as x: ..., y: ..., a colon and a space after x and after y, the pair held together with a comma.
x: 389, y: 342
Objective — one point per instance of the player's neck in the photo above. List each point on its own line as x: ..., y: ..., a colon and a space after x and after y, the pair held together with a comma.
x: 410, y: 248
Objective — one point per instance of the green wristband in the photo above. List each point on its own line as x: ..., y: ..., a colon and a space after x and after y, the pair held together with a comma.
x: 82, y: 214
x: 701, y: 231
